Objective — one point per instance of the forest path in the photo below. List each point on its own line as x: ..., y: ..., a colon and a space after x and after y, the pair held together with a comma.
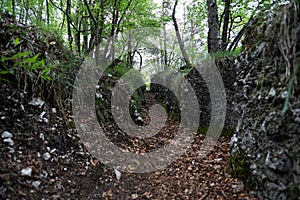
x: 47, y: 160
x: 189, y: 177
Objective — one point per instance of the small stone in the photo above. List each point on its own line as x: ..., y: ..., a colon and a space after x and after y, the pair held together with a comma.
x: 80, y: 153
x: 53, y: 150
x: 42, y: 114
x: 44, y: 174
x: 36, y: 102
x: 217, y: 159
x: 284, y: 95
x: 272, y: 92
x: 26, y: 172
x: 46, y: 156
x: 36, y: 184
x: 9, y: 141
x: 6, y: 134
x: 140, y: 121
x: 118, y: 174
x: 45, y: 120
x: 233, y: 140
x: 253, y: 166
x: 134, y: 196
x: 11, y: 150
x: 42, y: 137
x: 98, y: 96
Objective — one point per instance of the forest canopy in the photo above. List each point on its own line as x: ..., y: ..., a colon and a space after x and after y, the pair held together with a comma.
x: 212, y: 25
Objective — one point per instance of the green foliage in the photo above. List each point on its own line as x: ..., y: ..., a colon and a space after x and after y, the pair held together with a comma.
x: 224, y: 54
x: 202, y: 130
x: 228, y: 133
x: 22, y: 60
x: 239, y: 166
x: 118, y: 70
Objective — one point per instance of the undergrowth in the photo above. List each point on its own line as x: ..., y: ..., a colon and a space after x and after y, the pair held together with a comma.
x: 239, y: 166
x: 37, y: 63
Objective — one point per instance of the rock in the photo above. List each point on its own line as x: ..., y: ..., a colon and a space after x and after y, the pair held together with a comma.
x: 36, y: 184
x: 279, y: 161
x: 45, y: 120
x: 134, y: 196
x: 233, y: 140
x: 117, y: 173
x: 42, y: 137
x: 27, y: 171
x: 44, y: 174
x: 275, y: 191
x: 36, y: 102
x: 139, y: 121
x: 9, y: 141
x: 46, y: 156
x: 270, y: 139
x: 42, y: 114
x: 6, y: 134
x: 54, y: 110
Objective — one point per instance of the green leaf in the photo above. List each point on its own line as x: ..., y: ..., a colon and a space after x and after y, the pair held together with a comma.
x: 3, y: 59
x: 31, y: 60
x: 45, y: 77
x: 16, y: 41
x: 45, y: 74
x: 46, y: 71
x: 5, y: 80
x: 20, y: 55
x: 3, y: 72
x: 38, y: 64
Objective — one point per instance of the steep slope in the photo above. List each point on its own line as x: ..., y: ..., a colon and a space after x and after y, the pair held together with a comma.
x: 267, y: 101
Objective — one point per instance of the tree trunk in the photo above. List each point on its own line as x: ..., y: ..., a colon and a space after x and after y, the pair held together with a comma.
x: 181, y: 45
x: 225, y: 25
x: 68, y: 11
x: 165, y: 14
x: 48, y: 12
x: 213, y: 27
x: 77, y: 23
x: 13, y: 7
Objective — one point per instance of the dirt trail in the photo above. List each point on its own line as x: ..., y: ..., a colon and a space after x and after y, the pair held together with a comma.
x: 46, y: 160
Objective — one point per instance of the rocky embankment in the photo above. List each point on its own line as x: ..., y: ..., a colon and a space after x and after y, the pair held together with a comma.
x: 268, y: 105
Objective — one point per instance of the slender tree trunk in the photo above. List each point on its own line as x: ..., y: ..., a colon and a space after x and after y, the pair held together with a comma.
x: 181, y: 45
x: 225, y: 25
x: 85, y: 46
x: 68, y: 11
x: 40, y: 11
x: 77, y: 23
x: 95, y: 33
x: 165, y: 53
x: 165, y: 13
x: 213, y: 27
x: 26, y: 11
x: 113, y: 28
x: 48, y: 12
x: 13, y: 7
